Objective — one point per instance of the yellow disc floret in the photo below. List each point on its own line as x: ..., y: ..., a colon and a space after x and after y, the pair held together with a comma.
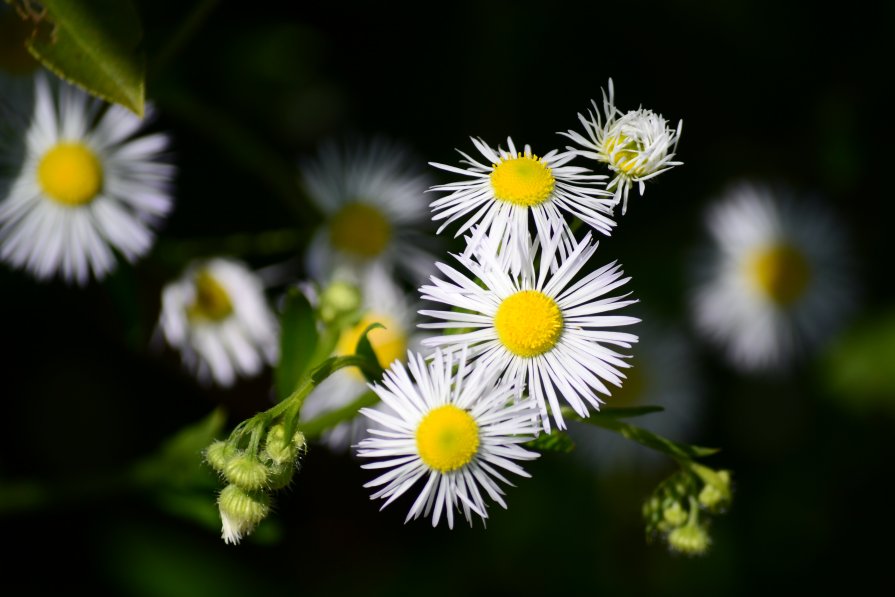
x: 781, y: 272
x: 360, y: 229
x: 524, y: 180
x: 388, y: 342
x: 623, y: 153
x: 71, y: 174
x: 447, y: 438
x: 528, y: 323
x: 212, y: 301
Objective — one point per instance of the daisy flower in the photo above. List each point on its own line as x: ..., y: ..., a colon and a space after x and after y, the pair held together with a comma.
x: 636, y: 146
x: 539, y: 328
x: 662, y: 373
x: 217, y: 316
x: 776, y: 279
x: 375, y: 212
x: 499, y: 194
x: 453, y: 433
x: 383, y: 303
x: 76, y: 186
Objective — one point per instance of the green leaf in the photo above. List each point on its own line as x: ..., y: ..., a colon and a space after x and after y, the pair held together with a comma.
x: 178, y: 461
x: 298, y: 343
x: 365, y: 349
x: 95, y: 44
x: 643, y: 437
x: 556, y: 441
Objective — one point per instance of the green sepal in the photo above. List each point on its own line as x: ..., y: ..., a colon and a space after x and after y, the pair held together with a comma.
x: 365, y: 349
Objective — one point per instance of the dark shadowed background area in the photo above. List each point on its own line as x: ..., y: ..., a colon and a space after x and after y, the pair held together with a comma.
x: 772, y: 91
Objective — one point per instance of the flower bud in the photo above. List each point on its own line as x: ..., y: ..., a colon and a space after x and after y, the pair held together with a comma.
x: 338, y: 299
x: 675, y: 515
x: 691, y: 539
x: 281, y: 474
x: 241, y: 511
x: 218, y: 454
x: 715, y: 494
x: 246, y: 472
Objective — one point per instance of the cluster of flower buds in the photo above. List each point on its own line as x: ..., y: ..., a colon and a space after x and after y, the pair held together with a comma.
x: 252, y: 475
x: 680, y: 507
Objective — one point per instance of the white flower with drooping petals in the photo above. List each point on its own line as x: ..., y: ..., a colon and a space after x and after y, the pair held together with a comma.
x: 776, y: 280
x: 75, y: 187
x: 636, y: 146
x: 216, y: 314
x: 454, y: 433
x: 498, y: 196
x: 539, y: 329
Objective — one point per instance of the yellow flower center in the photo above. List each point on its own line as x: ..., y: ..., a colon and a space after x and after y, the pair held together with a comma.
x: 781, y: 272
x: 389, y: 343
x: 447, y: 438
x: 360, y: 229
x: 523, y: 181
x: 623, y: 152
x: 528, y: 323
x: 212, y: 301
x: 70, y: 173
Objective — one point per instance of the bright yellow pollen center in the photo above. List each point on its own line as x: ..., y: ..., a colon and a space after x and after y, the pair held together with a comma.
x: 360, y: 229
x: 781, y: 272
x: 623, y: 152
x: 523, y: 181
x: 447, y: 438
x: 212, y: 301
x: 70, y: 173
x: 528, y: 323
x: 389, y: 343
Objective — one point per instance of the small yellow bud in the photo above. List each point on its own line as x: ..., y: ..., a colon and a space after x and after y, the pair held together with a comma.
x: 675, y: 515
x: 246, y: 472
x: 241, y: 511
x: 218, y: 454
x: 691, y: 539
x: 338, y: 299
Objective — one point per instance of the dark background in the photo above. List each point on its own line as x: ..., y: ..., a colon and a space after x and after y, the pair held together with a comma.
x: 782, y: 92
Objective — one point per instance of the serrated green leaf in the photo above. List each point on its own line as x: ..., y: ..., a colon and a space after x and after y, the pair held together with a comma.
x: 556, y: 441
x: 95, y: 44
x: 365, y: 349
x: 298, y: 343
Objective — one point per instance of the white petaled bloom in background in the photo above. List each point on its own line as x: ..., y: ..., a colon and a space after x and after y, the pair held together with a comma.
x: 216, y: 314
x: 663, y: 373
x: 383, y: 303
x: 636, y: 146
x: 776, y: 279
x: 499, y: 194
x: 455, y: 434
x: 375, y: 211
x: 541, y: 329
x: 76, y: 186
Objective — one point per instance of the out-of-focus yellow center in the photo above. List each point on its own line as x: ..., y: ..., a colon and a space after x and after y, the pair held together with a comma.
x: 389, y: 343
x: 781, y: 272
x: 360, y: 229
x: 212, y: 301
x: 70, y: 173
x: 528, y: 323
x: 623, y: 152
x: 523, y: 180
x: 447, y: 438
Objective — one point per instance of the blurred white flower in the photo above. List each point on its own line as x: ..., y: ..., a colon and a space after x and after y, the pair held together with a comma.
x: 776, y: 279
x: 216, y: 314
x: 77, y: 186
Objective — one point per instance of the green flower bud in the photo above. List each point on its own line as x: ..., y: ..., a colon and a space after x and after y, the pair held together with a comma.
x: 218, y: 454
x: 281, y: 474
x: 279, y: 450
x: 715, y: 494
x: 691, y: 539
x: 247, y: 472
x: 675, y: 515
x: 241, y: 511
x: 338, y: 299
